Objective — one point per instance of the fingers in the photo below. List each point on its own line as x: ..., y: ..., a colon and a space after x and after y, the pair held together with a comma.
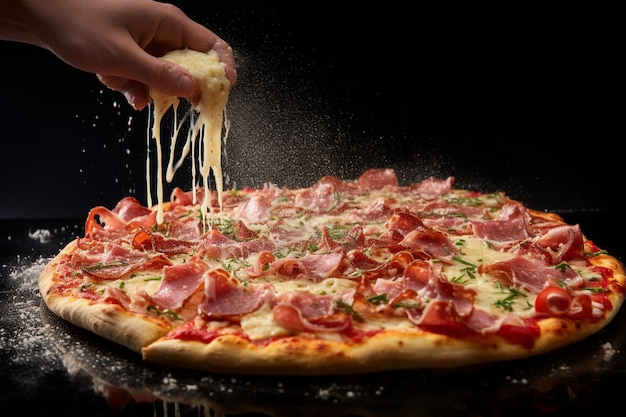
x: 193, y: 35
x: 149, y: 72
x: 141, y: 72
x: 225, y: 52
x: 135, y: 92
x: 137, y: 66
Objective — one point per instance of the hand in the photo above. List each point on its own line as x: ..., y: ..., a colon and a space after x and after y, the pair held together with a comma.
x: 119, y: 40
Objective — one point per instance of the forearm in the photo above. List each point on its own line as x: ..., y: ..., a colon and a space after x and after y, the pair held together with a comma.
x: 119, y: 40
x: 21, y: 20
x: 51, y: 24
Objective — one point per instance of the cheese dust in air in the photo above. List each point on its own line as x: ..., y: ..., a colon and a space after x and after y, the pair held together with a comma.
x: 203, y: 137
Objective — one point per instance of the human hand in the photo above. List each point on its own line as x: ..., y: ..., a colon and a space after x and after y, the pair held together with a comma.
x: 121, y: 41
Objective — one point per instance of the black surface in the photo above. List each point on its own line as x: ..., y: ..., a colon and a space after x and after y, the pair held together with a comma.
x: 49, y: 367
x: 511, y: 98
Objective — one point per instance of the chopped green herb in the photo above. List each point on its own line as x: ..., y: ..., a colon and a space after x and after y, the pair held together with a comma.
x: 104, y: 265
x: 467, y: 273
x: 462, y: 261
x: 165, y: 312
x: 348, y: 309
x: 232, y: 264
x: 563, y: 266
x: 377, y: 299
x: 595, y: 290
x: 597, y: 253
x: 225, y: 226
x: 508, y: 301
x: 153, y: 278
x: 339, y: 231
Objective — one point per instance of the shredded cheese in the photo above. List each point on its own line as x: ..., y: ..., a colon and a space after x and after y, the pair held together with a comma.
x: 207, y: 121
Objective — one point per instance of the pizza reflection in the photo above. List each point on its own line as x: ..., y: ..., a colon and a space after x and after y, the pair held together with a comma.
x: 569, y: 380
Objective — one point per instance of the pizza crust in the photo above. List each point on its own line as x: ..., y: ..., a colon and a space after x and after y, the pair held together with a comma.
x: 384, y: 352
x: 307, y: 356
x: 110, y: 321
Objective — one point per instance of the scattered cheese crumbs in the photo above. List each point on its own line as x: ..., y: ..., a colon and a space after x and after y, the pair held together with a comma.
x: 43, y: 235
x: 23, y: 334
x: 608, y: 351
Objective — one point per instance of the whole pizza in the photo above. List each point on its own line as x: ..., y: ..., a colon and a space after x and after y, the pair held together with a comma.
x: 343, y: 276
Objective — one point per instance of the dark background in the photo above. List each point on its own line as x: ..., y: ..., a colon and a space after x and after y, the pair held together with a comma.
x: 513, y: 98
x: 521, y: 99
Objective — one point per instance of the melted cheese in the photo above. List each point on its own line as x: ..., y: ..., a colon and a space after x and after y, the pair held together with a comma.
x: 489, y: 296
x: 206, y: 123
x: 138, y: 282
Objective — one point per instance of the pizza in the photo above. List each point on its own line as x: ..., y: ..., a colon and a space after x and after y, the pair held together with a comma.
x: 342, y: 276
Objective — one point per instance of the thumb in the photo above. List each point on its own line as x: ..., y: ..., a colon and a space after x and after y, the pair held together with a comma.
x: 148, y: 72
x: 164, y: 76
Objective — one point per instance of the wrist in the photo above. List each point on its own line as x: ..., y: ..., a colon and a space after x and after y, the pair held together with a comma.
x: 25, y: 20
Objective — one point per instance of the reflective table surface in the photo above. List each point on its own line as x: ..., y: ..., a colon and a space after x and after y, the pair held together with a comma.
x: 48, y: 366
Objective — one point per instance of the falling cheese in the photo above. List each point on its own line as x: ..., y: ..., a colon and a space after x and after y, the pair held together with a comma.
x: 206, y: 123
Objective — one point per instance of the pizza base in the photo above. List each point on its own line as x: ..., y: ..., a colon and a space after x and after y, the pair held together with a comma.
x: 386, y: 351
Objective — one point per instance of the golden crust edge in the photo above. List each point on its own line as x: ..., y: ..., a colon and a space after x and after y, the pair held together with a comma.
x: 109, y: 321
x: 387, y: 351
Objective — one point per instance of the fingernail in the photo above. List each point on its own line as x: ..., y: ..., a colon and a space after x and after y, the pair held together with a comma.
x: 185, y: 85
x: 130, y: 97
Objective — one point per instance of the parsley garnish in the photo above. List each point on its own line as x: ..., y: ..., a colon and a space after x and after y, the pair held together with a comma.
x: 104, y: 265
x: 165, y: 312
x: 467, y: 273
x: 225, y: 226
x: 235, y: 263
x: 377, y: 299
x: 348, y: 309
x: 508, y: 301
x: 153, y: 278
x: 563, y: 266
